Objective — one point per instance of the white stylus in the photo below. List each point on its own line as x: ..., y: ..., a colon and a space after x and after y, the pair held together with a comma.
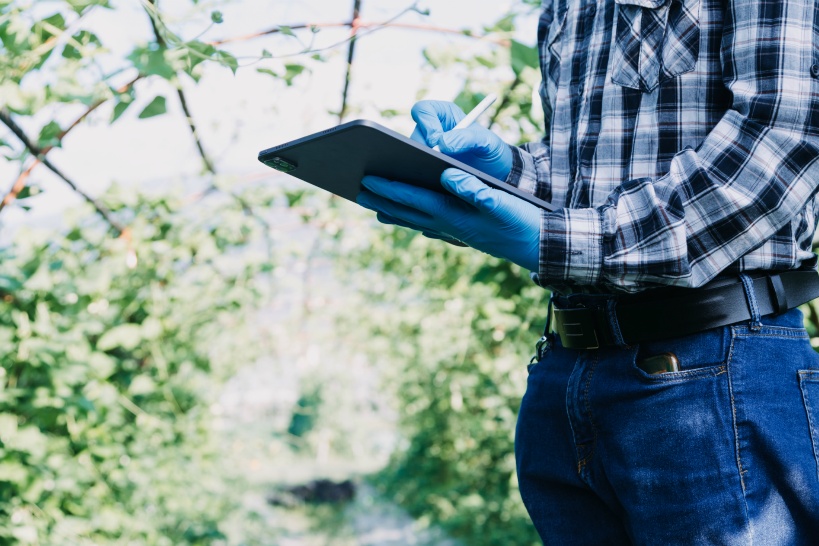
x: 476, y: 112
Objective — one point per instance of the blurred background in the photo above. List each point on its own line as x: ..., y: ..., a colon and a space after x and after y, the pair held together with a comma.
x: 196, y: 349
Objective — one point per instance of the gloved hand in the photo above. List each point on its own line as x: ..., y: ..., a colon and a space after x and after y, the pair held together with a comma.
x: 476, y: 146
x: 490, y: 220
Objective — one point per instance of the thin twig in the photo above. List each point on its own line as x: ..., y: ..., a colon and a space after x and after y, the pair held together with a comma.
x: 155, y: 22
x: 194, y: 132
x: 350, y: 54
x: 505, y: 100
x: 37, y: 152
x: 365, y: 25
x: 94, y: 106
x: 20, y: 183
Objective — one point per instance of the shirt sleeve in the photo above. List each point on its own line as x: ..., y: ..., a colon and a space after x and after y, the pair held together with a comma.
x: 752, y: 174
x: 530, y: 169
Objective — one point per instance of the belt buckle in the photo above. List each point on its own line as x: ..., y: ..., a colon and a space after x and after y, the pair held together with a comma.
x: 576, y: 328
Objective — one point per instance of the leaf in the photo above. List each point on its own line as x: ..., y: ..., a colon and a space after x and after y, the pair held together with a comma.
x: 8, y: 426
x: 504, y: 24
x: 12, y: 471
x: 47, y: 28
x: 80, y: 5
x: 467, y: 100
x: 268, y: 72
x: 119, y: 109
x: 126, y: 336
x: 141, y: 385
x: 287, y: 31
x: 49, y: 134
x: 216, y: 17
x: 228, y: 60
x: 155, y: 108
x: 293, y: 197
x: 193, y: 54
x: 80, y: 42
x: 523, y: 56
x: 291, y: 71
x: 29, y: 191
x: 266, y: 54
x: 151, y: 61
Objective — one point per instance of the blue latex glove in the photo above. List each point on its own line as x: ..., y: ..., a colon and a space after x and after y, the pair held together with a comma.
x: 490, y: 220
x: 476, y: 146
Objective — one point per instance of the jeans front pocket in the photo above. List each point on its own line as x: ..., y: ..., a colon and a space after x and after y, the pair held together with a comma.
x: 655, y: 40
x: 704, y: 354
x: 809, y: 384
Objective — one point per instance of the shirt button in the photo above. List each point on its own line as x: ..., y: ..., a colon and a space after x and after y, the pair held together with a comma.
x: 814, y: 70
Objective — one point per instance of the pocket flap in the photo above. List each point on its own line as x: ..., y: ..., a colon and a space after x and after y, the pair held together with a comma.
x: 556, y: 28
x: 653, y: 4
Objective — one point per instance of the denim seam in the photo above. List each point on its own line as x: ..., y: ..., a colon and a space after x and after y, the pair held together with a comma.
x: 584, y: 462
x: 569, y: 411
x: 683, y: 375
x: 740, y: 470
x: 782, y: 334
x: 805, y: 376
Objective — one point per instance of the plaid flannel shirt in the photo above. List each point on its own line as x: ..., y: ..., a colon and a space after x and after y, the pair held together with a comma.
x: 682, y: 139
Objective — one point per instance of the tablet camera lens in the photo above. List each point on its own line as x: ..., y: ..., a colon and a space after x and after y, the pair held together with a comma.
x: 280, y: 164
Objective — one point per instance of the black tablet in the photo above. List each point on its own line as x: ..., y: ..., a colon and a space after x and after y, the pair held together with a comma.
x: 337, y: 159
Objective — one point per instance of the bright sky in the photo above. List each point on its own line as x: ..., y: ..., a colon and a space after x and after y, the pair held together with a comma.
x: 239, y: 115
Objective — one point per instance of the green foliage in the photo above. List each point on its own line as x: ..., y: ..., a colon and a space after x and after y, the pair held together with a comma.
x: 451, y: 328
x: 112, y: 351
x: 154, y: 108
x: 453, y: 331
x: 114, y: 348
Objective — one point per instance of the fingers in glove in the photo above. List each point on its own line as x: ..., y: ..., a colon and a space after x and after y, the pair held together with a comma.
x: 476, y: 140
x: 469, y: 189
x: 431, y: 203
x: 434, y: 118
x: 385, y: 218
x: 418, y: 136
x: 415, y: 217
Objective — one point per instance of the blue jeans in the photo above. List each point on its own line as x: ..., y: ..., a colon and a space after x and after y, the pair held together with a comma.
x: 723, y: 451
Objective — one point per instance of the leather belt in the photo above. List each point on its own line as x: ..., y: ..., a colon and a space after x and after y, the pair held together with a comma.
x: 673, y: 312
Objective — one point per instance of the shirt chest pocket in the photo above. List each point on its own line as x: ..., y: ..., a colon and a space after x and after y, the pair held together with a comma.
x: 655, y: 40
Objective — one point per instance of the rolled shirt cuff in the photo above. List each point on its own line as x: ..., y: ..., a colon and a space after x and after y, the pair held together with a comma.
x: 571, y: 249
x: 523, y: 174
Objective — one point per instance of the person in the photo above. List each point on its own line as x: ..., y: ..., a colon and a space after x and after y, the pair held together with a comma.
x: 675, y: 397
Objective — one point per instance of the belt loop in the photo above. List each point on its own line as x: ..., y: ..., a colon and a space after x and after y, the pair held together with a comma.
x: 778, y: 289
x: 753, y: 306
x: 614, y: 324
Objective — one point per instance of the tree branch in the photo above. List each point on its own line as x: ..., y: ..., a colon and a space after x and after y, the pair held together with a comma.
x: 350, y: 53
x: 365, y: 25
x: 20, y: 183
x: 94, y: 106
x: 247, y: 209
x: 507, y: 96
x: 39, y: 154
x: 154, y: 17
x: 194, y: 131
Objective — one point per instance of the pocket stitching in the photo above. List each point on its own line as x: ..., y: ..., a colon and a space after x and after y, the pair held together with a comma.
x: 623, y: 72
x: 810, y: 376
x: 682, y: 375
x: 782, y: 332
